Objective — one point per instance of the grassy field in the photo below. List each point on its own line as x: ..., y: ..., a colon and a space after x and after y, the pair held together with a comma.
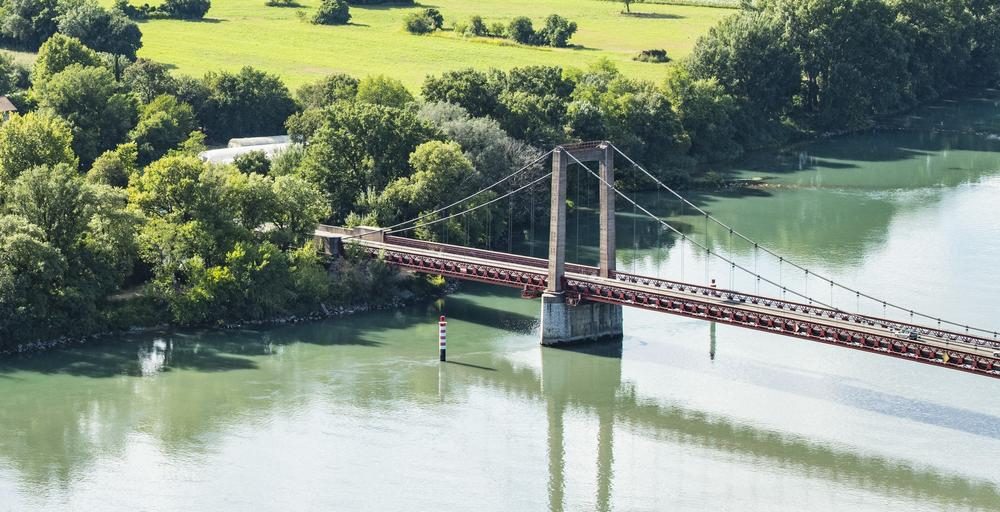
x: 246, y: 32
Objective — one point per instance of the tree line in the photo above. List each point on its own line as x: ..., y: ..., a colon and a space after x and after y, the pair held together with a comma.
x: 101, y: 189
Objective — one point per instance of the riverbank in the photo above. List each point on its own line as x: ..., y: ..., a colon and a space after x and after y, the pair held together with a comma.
x: 412, y: 289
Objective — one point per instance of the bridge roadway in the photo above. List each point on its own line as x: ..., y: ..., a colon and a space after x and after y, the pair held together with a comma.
x: 960, y: 351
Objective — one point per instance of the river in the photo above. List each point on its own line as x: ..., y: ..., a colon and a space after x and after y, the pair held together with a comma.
x: 356, y: 413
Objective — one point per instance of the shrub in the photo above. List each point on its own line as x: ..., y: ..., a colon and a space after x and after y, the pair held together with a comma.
x: 282, y: 3
x: 521, y: 30
x: 418, y: 23
x: 476, y: 27
x: 652, y: 56
x: 497, y: 29
x: 185, y: 9
x: 332, y: 12
x: 436, y: 18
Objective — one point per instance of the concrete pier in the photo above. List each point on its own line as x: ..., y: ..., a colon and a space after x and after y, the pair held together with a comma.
x: 564, y: 324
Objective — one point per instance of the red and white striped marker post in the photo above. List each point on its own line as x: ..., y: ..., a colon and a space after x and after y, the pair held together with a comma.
x: 442, y: 336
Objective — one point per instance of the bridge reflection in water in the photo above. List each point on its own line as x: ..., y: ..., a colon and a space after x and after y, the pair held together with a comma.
x: 370, y: 364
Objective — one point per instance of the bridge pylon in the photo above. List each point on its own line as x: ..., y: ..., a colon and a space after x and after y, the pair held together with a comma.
x: 563, y: 322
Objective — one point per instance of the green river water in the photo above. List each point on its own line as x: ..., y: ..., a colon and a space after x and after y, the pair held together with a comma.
x: 356, y: 413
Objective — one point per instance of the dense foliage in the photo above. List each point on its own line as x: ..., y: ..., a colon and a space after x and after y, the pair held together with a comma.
x: 101, y: 188
x: 837, y: 64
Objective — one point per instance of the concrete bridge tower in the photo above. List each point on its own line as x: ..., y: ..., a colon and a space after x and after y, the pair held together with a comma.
x: 563, y: 322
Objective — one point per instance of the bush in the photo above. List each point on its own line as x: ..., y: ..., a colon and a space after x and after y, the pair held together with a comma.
x: 521, y: 30
x: 185, y: 9
x: 477, y: 27
x: 418, y: 23
x: 332, y: 12
x: 556, y: 32
x: 652, y: 56
x: 497, y: 29
x: 436, y: 18
x: 282, y: 3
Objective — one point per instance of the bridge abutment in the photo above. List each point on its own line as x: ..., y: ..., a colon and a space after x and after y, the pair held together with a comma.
x: 563, y: 323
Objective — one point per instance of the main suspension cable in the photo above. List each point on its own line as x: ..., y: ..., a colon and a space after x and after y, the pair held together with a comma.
x: 707, y: 250
x: 460, y: 201
x: 885, y: 304
x: 470, y: 210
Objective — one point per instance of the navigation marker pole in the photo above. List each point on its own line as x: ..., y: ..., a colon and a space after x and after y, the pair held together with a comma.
x: 442, y: 336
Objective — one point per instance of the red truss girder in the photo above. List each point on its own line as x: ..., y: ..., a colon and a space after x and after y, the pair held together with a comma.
x: 732, y: 314
x: 491, y: 274
x: 809, y: 309
x: 777, y: 324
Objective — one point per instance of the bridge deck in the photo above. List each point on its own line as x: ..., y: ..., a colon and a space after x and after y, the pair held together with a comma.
x: 933, y: 346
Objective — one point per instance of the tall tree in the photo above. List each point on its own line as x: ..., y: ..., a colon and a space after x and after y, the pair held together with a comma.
x: 33, y: 139
x: 29, y: 22
x: 60, y: 52
x: 247, y: 103
x: 106, y: 31
x: 89, y: 99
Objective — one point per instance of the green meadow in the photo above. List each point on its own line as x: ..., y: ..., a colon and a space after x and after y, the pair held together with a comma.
x: 238, y: 33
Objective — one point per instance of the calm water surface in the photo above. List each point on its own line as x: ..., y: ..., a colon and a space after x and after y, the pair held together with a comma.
x: 357, y: 414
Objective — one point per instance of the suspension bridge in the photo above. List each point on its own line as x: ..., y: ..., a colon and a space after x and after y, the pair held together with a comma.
x: 584, y: 303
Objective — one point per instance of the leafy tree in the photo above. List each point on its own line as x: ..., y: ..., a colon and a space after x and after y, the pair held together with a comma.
x: 557, y: 31
x: 470, y: 88
x: 532, y: 117
x: 250, y: 102
x: 8, y: 79
x: 636, y: 115
x: 185, y: 9
x: 520, y: 29
x: 163, y: 124
x: 148, y: 79
x: 31, y: 269
x: 28, y: 22
x: 493, y: 152
x: 360, y: 146
x: 327, y: 91
x: 438, y: 168
x: 477, y: 27
x: 985, y: 52
x: 89, y: 99
x: 298, y: 208
x: 939, y: 44
x: 537, y: 80
x: 115, y: 167
x: 89, y: 226
x: 33, y: 139
x: 382, y: 90
x: 210, y: 262
x: 102, y: 30
x: 707, y: 113
x: 287, y: 162
x: 192, y: 91
x: 437, y: 20
x: 852, y: 62
x: 747, y: 55
x: 254, y: 162
x: 59, y: 53
x: 332, y: 12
